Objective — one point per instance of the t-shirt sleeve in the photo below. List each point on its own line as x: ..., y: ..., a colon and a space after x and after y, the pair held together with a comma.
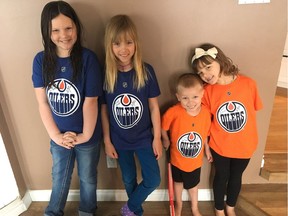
x: 205, y: 100
x: 153, y: 87
x: 208, y: 121
x: 102, y: 98
x: 37, y: 75
x: 93, y: 75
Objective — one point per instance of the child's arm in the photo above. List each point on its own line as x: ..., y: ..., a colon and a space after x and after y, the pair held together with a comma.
x: 109, y: 148
x: 47, y: 119
x: 208, y: 152
x: 90, y: 114
x: 156, y: 122
x: 165, y: 139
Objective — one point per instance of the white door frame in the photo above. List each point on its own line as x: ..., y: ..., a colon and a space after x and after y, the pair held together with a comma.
x: 8, y: 186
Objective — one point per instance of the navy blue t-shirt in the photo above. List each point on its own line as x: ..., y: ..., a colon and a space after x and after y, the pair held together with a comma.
x: 66, y: 99
x: 128, y: 108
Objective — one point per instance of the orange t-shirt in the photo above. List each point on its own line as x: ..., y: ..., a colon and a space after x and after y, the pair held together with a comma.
x: 188, y: 135
x: 233, y: 107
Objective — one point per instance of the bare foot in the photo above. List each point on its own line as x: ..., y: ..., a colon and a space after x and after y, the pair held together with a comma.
x: 178, y: 210
x: 219, y: 212
x: 230, y: 211
x: 195, y: 212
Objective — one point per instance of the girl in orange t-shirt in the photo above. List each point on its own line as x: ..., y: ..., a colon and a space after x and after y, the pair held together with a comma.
x: 233, y: 100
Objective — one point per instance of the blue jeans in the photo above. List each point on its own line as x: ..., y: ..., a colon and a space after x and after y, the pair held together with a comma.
x: 87, y: 157
x: 137, y: 193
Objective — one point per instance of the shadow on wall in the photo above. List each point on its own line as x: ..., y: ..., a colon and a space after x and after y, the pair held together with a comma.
x: 93, y: 28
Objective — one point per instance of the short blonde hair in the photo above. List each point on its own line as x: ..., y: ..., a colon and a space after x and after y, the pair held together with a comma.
x: 188, y: 80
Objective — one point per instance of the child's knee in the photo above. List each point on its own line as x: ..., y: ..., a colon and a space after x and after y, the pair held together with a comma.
x: 152, y: 182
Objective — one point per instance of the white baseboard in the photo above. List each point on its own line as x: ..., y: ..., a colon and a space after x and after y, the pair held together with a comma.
x: 18, y: 206
x: 120, y: 195
x: 14, y: 208
x: 27, y: 200
x: 282, y: 84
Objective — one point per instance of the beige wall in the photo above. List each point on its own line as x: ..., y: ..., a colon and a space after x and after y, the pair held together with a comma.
x: 252, y: 35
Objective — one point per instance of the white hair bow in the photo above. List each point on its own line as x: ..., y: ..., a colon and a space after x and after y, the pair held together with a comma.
x: 199, y: 52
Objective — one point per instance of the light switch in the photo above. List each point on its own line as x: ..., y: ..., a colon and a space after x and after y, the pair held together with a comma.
x: 253, y: 1
x: 111, y: 162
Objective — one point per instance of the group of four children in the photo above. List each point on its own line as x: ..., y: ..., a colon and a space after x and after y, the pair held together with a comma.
x: 68, y: 84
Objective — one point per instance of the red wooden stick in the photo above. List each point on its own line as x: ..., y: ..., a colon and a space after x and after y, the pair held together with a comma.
x: 171, y: 191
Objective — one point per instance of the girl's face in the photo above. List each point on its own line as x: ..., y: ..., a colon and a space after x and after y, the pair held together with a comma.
x: 124, y: 49
x: 209, y: 73
x: 63, y: 34
x: 190, y: 98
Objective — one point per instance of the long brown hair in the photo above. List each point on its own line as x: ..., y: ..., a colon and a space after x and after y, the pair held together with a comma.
x: 227, y: 67
x: 49, y: 12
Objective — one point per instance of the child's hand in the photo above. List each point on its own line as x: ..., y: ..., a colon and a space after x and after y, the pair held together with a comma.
x: 157, y: 148
x: 165, y: 139
x: 110, y: 151
x: 69, y: 139
x: 81, y: 138
x: 208, y: 154
x: 209, y: 158
x: 166, y: 144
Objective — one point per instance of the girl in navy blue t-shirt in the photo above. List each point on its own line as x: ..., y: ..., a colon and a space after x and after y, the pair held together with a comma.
x: 67, y: 81
x: 130, y: 113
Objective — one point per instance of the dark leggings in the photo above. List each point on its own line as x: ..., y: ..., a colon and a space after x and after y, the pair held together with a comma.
x: 227, y: 179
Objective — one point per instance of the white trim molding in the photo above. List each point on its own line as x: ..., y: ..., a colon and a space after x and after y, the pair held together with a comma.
x: 120, y: 195
x: 18, y: 206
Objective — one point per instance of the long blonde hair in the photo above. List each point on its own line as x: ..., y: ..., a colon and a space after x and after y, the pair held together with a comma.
x: 122, y: 25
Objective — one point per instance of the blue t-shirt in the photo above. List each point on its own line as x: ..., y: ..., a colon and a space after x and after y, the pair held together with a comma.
x: 66, y: 97
x: 128, y: 108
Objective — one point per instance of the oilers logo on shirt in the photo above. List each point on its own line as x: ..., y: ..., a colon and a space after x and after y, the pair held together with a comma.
x: 232, y: 116
x: 63, y: 97
x: 127, y: 110
x: 190, y: 144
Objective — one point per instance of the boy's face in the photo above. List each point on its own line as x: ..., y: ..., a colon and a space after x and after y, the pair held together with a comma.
x: 190, y: 98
